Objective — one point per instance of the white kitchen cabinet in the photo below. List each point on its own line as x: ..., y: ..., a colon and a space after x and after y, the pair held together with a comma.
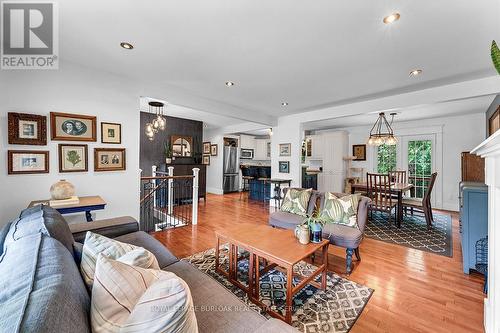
x: 314, y: 147
x: 247, y: 142
x: 262, y: 152
x: 334, y: 147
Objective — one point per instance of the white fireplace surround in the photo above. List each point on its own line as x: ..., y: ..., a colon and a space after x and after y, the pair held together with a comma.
x: 490, y: 150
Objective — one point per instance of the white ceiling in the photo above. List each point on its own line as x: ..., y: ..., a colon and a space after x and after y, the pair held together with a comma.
x: 453, y: 108
x: 308, y: 53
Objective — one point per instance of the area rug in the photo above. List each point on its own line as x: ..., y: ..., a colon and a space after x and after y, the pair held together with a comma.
x: 314, y: 310
x: 413, y: 232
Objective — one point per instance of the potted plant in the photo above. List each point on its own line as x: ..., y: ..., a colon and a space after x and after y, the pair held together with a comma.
x: 168, y: 152
x: 315, y: 224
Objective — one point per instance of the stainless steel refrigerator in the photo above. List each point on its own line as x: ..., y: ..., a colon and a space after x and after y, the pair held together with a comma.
x: 231, y: 172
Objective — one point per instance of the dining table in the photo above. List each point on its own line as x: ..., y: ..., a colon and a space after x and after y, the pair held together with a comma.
x: 397, y: 189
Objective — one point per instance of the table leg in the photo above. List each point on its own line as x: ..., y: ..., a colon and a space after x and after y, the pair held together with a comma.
x: 88, y: 215
x: 400, y: 208
x: 257, y: 278
x: 217, y: 245
x: 325, y: 262
x: 250, y: 274
x: 231, y: 258
x: 289, y: 296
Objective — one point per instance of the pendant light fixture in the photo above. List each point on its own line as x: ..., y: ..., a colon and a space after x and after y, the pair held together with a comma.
x: 382, y: 132
x: 158, y: 123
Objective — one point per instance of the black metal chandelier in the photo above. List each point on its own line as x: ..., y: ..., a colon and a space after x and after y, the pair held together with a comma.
x: 159, y: 123
x: 382, y: 132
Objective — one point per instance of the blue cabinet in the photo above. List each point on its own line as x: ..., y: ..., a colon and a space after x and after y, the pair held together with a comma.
x: 473, y: 220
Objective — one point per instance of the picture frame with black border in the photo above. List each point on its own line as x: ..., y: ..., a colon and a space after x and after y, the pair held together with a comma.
x: 359, y: 151
x: 206, y: 159
x: 214, y: 150
x: 284, y: 166
x: 111, y: 133
x: 206, y: 147
x: 72, y: 154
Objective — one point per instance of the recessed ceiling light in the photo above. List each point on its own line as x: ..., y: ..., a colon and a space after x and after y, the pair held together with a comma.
x: 391, y: 18
x: 126, y: 45
x: 415, y: 72
x: 284, y: 103
x: 229, y: 83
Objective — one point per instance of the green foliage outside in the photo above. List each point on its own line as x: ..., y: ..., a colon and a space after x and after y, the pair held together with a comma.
x: 419, y: 165
x: 386, y: 158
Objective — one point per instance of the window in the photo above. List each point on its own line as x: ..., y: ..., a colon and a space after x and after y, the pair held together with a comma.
x: 419, y: 166
x: 386, y: 158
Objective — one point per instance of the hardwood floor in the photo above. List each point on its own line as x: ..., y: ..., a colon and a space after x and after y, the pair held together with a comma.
x: 415, y: 291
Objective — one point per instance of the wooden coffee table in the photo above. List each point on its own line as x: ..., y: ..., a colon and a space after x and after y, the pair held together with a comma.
x: 278, y: 249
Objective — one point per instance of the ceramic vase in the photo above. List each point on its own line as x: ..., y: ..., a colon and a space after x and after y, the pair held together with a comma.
x: 316, y: 233
x: 62, y: 190
x: 302, y: 233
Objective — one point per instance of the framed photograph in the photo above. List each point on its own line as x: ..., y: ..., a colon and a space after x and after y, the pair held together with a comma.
x: 72, y: 127
x: 284, y: 166
x: 27, y: 161
x: 213, y: 150
x: 109, y: 159
x: 359, y: 151
x: 111, y: 133
x: 206, y: 147
x: 206, y: 159
x: 285, y: 149
x: 73, y: 158
x: 27, y: 129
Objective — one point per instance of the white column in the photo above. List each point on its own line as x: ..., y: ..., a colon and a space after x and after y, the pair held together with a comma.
x: 153, y: 183
x: 194, y: 218
x: 490, y: 150
x: 170, y: 190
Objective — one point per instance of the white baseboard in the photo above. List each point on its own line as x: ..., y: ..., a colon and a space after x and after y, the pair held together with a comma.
x: 214, y: 190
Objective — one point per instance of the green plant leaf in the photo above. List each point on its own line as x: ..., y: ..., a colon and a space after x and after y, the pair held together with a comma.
x: 495, y: 56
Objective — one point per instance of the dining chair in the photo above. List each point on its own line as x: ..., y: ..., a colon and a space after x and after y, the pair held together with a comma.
x: 398, y: 176
x: 423, y: 204
x: 379, y: 191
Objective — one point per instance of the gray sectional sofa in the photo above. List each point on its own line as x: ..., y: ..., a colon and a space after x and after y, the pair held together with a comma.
x: 339, y: 235
x: 41, y: 289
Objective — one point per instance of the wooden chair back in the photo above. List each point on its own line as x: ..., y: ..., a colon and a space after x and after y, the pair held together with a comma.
x: 398, y: 176
x: 430, y: 186
x: 379, y: 189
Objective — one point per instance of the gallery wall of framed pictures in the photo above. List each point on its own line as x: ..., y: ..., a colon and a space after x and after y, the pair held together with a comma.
x: 31, y: 130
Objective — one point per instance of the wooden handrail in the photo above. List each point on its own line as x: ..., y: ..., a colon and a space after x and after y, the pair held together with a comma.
x: 167, y: 177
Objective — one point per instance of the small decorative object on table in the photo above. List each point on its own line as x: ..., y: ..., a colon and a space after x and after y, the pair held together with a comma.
x: 62, y: 190
x: 302, y: 234
x: 315, y: 224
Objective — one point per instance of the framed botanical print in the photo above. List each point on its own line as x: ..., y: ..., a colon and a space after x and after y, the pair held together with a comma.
x: 284, y: 166
x: 72, y: 127
x: 359, y: 151
x: 213, y: 150
x: 111, y: 133
x: 206, y: 147
x: 109, y: 159
x: 27, y: 161
x: 285, y: 149
x: 73, y: 158
x: 27, y: 129
x: 206, y: 159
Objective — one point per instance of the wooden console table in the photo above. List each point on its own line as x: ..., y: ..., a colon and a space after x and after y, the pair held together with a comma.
x: 87, y: 204
x: 277, y: 247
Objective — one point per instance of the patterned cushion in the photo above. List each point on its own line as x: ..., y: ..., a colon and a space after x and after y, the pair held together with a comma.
x: 341, y: 210
x: 133, y: 299
x: 296, y: 201
x: 96, y: 244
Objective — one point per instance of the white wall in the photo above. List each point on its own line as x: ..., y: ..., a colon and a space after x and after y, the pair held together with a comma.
x: 454, y: 136
x: 77, y: 90
x: 215, y: 169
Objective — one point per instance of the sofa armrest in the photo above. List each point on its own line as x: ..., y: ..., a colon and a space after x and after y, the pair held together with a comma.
x: 363, y: 212
x: 109, y: 227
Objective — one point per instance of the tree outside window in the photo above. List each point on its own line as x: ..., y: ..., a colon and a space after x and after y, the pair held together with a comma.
x: 386, y: 158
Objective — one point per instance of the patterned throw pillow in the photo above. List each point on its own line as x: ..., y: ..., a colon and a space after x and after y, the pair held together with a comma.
x: 341, y: 210
x: 296, y: 201
x: 96, y: 244
x: 134, y: 299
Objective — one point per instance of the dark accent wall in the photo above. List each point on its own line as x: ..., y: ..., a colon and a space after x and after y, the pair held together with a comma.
x: 153, y: 152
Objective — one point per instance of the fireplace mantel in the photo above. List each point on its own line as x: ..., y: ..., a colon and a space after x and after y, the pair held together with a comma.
x: 490, y: 150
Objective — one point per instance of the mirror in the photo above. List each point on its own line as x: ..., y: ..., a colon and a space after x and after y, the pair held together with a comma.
x: 181, y: 146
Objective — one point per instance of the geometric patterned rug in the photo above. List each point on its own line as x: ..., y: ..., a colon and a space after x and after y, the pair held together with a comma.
x: 413, y: 232
x: 313, y: 310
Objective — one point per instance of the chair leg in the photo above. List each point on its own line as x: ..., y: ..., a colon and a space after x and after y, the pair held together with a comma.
x: 427, y: 218
x: 356, y: 252
x: 348, y: 260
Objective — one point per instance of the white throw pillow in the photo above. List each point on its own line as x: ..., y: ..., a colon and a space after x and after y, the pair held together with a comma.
x: 96, y: 244
x: 134, y: 299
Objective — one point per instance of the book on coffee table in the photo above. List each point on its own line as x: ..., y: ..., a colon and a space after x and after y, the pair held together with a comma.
x: 58, y: 203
